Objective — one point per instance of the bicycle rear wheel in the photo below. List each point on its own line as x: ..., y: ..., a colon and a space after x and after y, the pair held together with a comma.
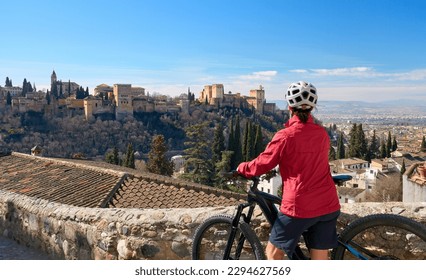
x: 211, y: 237
x: 382, y: 236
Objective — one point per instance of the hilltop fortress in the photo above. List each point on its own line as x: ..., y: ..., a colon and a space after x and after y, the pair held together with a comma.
x: 121, y: 100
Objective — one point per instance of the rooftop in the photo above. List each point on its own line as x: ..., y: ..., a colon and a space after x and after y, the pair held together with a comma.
x: 100, y: 185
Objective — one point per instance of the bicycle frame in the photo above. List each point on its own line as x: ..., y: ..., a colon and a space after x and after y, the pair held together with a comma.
x: 266, y: 203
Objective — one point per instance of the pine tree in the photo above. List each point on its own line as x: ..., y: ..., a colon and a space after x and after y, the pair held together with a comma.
x: 157, y: 160
x: 197, y: 165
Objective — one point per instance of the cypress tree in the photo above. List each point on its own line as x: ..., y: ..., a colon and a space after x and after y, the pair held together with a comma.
x: 362, y: 143
x: 383, y: 152
x: 331, y: 153
x: 69, y: 88
x: 237, y: 143
x: 394, y: 144
x: 245, y: 143
x: 423, y: 145
x: 340, y: 147
x: 353, y: 141
x: 373, y: 149
x: 129, y: 160
x: 218, y: 143
x: 389, y: 145
x: 8, y: 99
x: 250, y: 142
x: 258, y: 143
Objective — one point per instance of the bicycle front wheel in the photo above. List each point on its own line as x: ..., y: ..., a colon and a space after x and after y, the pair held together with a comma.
x: 211, y: 238
x: 382, y: 236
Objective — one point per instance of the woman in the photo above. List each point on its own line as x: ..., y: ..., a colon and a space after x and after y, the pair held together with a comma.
x: 310, y: 202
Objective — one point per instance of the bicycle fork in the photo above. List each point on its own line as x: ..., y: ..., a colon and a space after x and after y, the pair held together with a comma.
x: 233, y: 234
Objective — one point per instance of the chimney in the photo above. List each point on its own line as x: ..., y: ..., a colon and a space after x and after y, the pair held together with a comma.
x: 36, y: 150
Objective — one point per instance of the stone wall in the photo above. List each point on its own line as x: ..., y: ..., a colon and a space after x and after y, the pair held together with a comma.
x: 68, y: 232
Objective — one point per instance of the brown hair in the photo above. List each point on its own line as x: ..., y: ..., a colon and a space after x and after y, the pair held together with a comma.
x: 303, y: 114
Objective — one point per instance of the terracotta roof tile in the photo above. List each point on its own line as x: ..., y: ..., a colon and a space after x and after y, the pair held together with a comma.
x: 93, y: 184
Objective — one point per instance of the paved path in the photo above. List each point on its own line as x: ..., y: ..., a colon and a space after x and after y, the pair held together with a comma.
x: 11, y: 250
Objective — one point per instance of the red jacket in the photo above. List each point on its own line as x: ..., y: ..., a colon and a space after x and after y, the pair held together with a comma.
x: 301, y: 151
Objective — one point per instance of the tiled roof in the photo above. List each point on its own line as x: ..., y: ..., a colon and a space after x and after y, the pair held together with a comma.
x: 140, y: 192
x: 56, y: 181
x: 98, y: 184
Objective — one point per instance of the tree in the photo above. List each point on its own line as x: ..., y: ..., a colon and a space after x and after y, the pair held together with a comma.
x: 394, y: 144
x: 129, y: 160
x: 197, y: 165
x: 8, y: 99
x: 69, y: 88
x: 340, y: 147
x: 258, y: 143
x: 383, y: 152
x: 112, y: 157
x: 423, y: 145
x: 218, y: 143
x: 331, y: 153
x: 157, y: 160
x: 222, y: 166
x: 362, y: 143
x: 353, y: 141
x: 8, y: 82
x: 237, y: 143
x: 374, y: 148
x: 54, y: 90
x: 389, y: 145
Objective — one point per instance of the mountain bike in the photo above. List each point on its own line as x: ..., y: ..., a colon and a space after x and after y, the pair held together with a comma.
x: 376, y: 236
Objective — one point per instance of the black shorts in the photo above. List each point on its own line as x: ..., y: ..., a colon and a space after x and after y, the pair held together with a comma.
x: 319, y: 232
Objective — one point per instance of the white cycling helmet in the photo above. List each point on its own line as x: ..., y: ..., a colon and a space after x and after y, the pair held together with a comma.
x: 302, y: 93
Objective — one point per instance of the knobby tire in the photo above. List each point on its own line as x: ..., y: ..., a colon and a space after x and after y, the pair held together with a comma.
x: 383, y: 236
x: 211, y: 236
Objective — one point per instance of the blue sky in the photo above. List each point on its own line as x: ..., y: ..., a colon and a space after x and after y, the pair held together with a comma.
x: 350, y: 50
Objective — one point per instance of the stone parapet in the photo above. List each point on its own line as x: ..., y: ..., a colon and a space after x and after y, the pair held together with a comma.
x: 69, y: 232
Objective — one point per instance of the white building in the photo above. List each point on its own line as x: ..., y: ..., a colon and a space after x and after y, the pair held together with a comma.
x: 414, y: 184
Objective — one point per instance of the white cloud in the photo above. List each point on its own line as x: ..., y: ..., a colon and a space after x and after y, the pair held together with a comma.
x: 299, y: 71
x: 364, y: 72
x: 259, y: 76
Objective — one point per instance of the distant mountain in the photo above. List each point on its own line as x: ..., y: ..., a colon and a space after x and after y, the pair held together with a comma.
x: 345, y: 107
